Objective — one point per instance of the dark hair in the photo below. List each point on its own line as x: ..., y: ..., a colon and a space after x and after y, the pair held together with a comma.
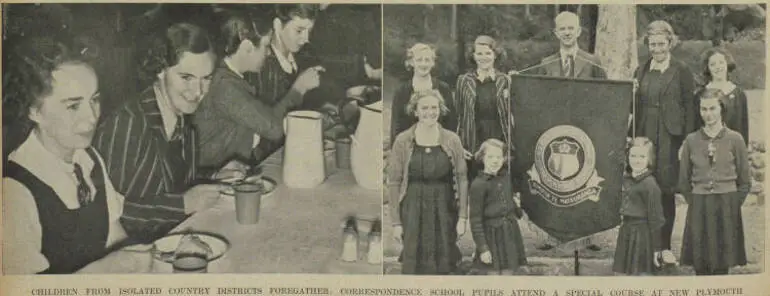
x: 165, y: 49
x: 27, y: 77
x: 243, y: 26
x: 285, y: 12
x: 708, y: 94
x: 27, y: 69
x: 711, y: 52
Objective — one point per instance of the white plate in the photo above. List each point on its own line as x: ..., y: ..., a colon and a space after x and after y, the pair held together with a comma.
x: 167, y: 245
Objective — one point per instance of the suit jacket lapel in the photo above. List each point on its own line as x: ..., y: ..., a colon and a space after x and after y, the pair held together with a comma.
x: 580, y: 62
x: 668, y: 75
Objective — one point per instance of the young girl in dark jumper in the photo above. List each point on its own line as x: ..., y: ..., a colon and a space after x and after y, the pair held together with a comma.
x: 638, y: 246
x: 493, y: 212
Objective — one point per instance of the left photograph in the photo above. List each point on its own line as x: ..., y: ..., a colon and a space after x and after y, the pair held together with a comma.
x: 192, y: 138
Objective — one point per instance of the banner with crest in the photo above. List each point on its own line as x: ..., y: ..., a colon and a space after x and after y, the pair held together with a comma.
x: 570, y: 144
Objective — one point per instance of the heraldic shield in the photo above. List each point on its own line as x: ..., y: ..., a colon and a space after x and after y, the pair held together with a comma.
x: 570, y: 149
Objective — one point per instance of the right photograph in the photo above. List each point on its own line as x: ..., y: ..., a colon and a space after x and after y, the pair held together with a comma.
x: 573, y: 140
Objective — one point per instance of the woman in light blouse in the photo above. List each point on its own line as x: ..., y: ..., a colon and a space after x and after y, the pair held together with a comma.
x: 714, y: 178
x: 61, y: 212
x: 428, y: 189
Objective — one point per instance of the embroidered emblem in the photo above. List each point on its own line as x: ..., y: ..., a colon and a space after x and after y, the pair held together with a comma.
x: 564, y: 172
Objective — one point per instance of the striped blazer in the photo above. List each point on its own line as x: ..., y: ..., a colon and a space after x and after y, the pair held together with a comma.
x: 136, y: 154
x: 465, y: 106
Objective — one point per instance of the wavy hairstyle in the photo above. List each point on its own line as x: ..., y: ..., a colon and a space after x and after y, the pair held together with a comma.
x: 165, y: 49
x: 411, y: 106
x: 28, y: 64
x: 711, y: 52
x: 240, y: 26
x: 286, y: 12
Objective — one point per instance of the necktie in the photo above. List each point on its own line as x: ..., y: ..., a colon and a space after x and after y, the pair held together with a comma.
x: 569, y: 65
x: 177, y: 134
x: 84, y: 192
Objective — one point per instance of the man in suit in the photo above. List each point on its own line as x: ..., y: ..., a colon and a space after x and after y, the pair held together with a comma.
x: 570, y: 61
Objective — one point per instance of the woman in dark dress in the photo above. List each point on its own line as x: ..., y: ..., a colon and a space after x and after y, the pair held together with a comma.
x: 428, y: 189
x: 714, y: 178
x: 482, y: 99
x: 664, y: 114
x: 61, y: 213
x: 717, y: 64
x: 420, y: 59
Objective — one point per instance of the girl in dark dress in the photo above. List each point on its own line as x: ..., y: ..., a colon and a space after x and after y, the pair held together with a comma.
x: 638, y: 245
x: 482, y: 99
x: 714, y: 178
x: 664, y: 114
x: 493, y: 213
x: 717, y: 64
x: 428, y: 190
x: 420, y: 59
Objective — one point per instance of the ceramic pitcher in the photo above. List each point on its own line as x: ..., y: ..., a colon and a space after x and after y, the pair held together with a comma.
x: 303, y: 154
x: 366, y: 148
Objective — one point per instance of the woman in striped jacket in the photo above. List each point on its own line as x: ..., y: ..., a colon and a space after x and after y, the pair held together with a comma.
x: 482, y: 99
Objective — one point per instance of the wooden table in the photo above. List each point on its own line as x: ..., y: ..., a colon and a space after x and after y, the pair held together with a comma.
x: 300, y: 230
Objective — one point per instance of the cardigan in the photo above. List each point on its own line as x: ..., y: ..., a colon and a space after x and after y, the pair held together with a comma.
x: 728, y: 173
x: 491, y: 201
x: 642, y: 199
x: 231, y: 113
x: 398, y: 175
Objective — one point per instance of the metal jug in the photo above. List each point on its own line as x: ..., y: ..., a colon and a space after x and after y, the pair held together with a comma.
x: 303, y: 154
x: 366, y: 148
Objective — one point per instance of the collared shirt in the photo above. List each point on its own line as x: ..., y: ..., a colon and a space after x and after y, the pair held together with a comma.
x: 230, y: 66
x: 288, y: 63
x: 484, y: 74
x: 23, y: 253
x: 566, y: 53
x: 661, y: 66
x: 422, y: 84
x: 164, y: 105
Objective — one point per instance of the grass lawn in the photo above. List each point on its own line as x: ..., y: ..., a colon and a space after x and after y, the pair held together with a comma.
x: 560, y: 262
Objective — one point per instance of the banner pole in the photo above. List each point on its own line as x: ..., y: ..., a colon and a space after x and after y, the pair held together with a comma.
x: 577, y: 262
x: 633, y: 112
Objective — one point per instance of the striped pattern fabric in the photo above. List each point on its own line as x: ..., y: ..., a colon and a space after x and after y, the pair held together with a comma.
x: 272, y: 83
x: 465, y: 106
x: 138, y: 158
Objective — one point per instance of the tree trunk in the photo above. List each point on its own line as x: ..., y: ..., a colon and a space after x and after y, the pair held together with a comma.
x: 527, y: 12
x: 616, y: 40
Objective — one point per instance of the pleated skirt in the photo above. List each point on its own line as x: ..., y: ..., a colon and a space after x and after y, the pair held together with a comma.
x: 634, y: 251
x: 713, y: 233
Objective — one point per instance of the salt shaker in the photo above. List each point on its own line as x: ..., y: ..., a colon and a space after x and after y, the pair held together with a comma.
x: 374, y: 255
x: 350, y: 240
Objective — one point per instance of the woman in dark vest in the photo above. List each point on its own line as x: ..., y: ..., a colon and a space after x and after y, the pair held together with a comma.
x: 61, y: 213
x: 665, y: 114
